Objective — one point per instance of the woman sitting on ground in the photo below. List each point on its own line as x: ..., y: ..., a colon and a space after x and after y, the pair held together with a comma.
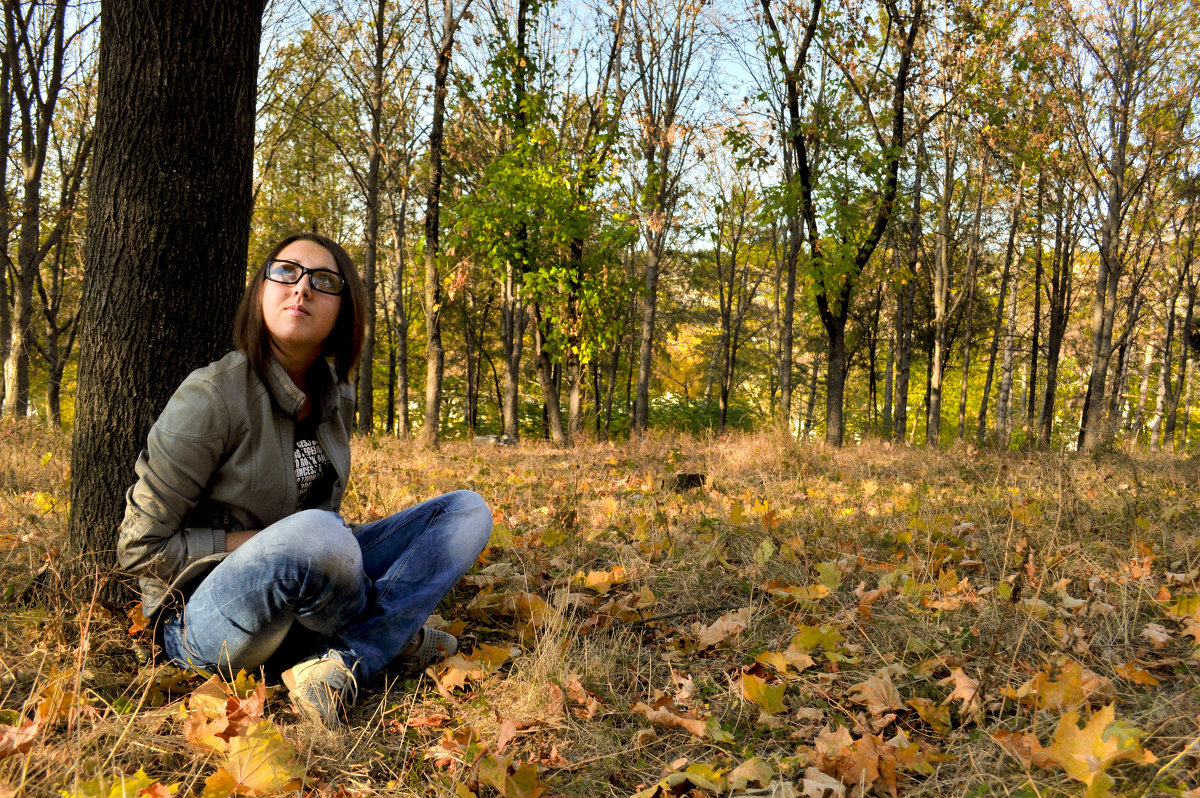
x: 233, y: 524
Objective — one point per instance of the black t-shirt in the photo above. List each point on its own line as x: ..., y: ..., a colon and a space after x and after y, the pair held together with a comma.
x: 314, y: 473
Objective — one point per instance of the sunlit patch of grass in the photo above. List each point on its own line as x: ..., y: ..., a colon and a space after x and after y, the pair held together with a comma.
x: 998, y: 564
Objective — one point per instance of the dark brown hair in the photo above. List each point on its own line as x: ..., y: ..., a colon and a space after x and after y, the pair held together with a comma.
x: 250, y: 333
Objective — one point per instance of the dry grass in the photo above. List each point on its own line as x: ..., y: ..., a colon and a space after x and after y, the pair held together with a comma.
x: 1085, y: 545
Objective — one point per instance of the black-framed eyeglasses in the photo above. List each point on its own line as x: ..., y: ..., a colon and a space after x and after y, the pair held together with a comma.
x: 290, y: 273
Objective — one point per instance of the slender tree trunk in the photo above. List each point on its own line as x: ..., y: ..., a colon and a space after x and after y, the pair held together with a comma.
x: 1004, y: 397
x: 512, y: 305
x: 366, y: 371
x: 641, y: 405
x: 941, y: 291
x: 5, y: 262
x: 1172, y: 409
x: 435, y: 355
x: 905, y: 299
x: 888, y: 377
x: 1035, y: 343
x: 969, y: 312
x: 1187, y: 408
x: 36, y: 57
x: 1139, y: 418
x: 399, y: 243
x: 1005, y: 275
x: 812, y: 394
x: 1059, y: 308
x: 548, y: 379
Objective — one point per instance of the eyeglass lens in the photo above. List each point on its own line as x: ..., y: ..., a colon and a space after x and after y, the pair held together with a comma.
x: 288, y: 273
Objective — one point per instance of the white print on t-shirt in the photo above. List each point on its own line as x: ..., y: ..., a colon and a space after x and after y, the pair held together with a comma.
x: 310, y: 461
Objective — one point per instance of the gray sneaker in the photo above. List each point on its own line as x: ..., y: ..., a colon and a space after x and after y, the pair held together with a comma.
x: 435, y: 646
x: 322, y: 687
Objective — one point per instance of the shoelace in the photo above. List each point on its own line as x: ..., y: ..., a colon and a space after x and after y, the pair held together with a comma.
x: 343, y: 681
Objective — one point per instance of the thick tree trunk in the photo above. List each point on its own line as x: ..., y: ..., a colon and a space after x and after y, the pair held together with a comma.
x: 641, y: 404
x: 164, y: 68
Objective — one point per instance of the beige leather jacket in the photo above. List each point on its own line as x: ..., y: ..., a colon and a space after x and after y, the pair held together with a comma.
x: 221, y: 458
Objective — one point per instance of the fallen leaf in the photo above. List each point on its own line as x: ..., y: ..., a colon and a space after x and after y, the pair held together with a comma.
x: 1064, y: 688
x: 833, y: 744
x: 55, y: 704
x: 258, y: 763
x: 1086, y: 752
x: 798, y: 594
x: 587, y: 704
x: 665, y: 713
x: 767, y: 696
x: 603, y: 581
x: 1137, y: 675
x: 723, y: 628
x: 522, y: 782
x: 753, y: 769
x: 935, y: 714
x: 510, y: 728
x: 877, y: 693
x: 1158, y: 635
x: 818, y: 784
x: 826, y: 636
x: 18, y: 739
x: 1023, y: 746
x: 966, y: 691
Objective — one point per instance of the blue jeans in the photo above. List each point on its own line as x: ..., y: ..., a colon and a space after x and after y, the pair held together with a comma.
x: 308, y: 583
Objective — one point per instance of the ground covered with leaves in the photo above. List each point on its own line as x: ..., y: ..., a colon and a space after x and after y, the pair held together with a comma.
x: 738, y: 616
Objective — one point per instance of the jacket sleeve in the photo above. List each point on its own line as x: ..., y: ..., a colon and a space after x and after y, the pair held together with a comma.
x: 184, y: 448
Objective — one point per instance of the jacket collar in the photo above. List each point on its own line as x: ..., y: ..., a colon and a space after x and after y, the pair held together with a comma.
x: 291, y: 399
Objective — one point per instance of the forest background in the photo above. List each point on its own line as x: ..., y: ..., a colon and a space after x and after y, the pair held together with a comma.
x: 832, y: 220
x: 958, y: 219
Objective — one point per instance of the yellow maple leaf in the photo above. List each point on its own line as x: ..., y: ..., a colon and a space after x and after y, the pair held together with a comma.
x: 935, y: 714
x: 523, y: 782
x: 752, y: 770
x: 603, y: 581
x: 1086, y: 752
x: 767, y: 696
x: 258, y: 763
x: 1133, y: 673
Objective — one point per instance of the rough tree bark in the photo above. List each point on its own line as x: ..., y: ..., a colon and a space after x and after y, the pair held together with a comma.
x: 435, y: 354
x: 166, y: 247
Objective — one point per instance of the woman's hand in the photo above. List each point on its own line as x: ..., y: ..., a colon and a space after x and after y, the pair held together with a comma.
x: 235, y: 539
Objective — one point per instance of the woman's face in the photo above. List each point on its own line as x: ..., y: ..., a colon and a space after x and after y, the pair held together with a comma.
x: 298, y: 317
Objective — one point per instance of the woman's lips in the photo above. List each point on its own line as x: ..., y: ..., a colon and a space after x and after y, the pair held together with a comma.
x: 296, y: 310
